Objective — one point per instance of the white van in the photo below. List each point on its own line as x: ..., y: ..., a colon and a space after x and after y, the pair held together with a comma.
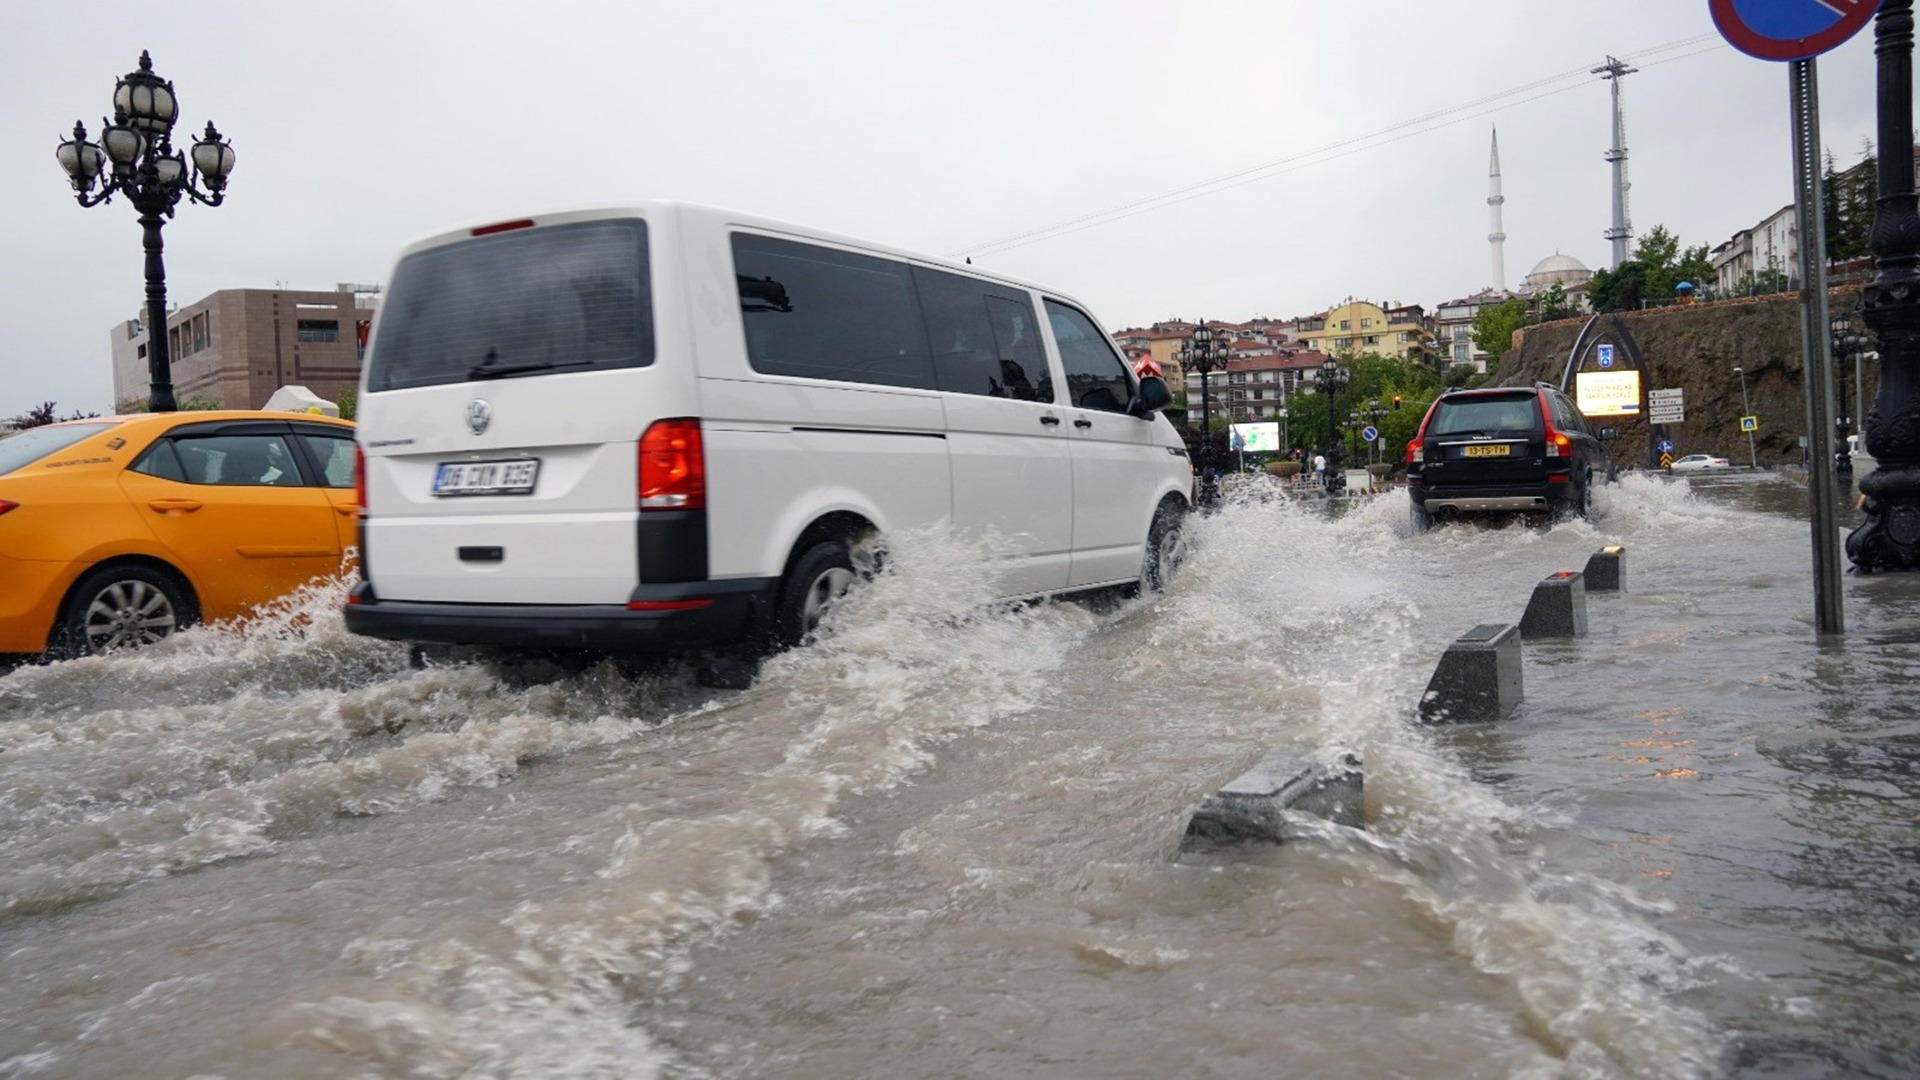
x: 665, y: 426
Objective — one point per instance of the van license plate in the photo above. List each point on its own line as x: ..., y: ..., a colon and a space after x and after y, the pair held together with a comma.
x: 1488, y: 450
x: 486, y: 477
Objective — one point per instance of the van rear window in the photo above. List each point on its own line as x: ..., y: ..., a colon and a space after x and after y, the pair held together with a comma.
x: 559, y: 298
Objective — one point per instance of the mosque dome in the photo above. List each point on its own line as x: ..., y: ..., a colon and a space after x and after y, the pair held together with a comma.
x: 1558, y: 269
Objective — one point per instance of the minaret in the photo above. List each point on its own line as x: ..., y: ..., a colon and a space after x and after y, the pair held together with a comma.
x: 1497, y: 237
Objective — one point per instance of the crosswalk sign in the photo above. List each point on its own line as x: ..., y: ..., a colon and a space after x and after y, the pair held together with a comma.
x: 1749, y: 423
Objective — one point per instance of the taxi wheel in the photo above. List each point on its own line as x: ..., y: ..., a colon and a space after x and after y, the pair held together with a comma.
x: 121, y: 607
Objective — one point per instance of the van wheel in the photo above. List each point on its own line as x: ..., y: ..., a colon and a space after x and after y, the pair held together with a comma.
x: 818, y: 578
x: 1166, y: 548
x: 120, y: 607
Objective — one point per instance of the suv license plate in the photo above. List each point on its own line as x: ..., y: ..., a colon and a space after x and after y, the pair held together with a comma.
x: 486, y: 477
x: 1488, y: 450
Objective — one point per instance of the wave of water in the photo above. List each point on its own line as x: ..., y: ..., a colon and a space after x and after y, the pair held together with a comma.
x: 229, y: 744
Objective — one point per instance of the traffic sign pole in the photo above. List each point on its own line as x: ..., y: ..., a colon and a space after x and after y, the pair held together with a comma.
x: 1805, y: 85
x: 1796, y: 31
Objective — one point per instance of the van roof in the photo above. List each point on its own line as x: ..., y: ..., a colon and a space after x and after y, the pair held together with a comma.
x: 722, y: 216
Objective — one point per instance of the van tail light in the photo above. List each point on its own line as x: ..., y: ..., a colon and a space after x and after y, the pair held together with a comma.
x: 360, y: 477
x: 6, y: 506
x: 673, y: 466
x: 1558, y: 445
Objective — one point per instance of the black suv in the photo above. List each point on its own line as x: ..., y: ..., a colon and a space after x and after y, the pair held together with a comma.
x: 1505, y: 450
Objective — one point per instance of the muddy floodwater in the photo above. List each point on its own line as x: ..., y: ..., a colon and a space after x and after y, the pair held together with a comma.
x: 936, y: 843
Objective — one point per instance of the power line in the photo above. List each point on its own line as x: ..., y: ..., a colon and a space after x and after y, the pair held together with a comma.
x: 1328, y: 152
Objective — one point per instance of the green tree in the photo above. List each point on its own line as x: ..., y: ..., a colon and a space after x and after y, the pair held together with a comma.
x: 1620, y: 288
x: 1494, y: 324
x: 349, y: 401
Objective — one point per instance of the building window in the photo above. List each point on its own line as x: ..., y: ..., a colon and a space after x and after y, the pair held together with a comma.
x: 317, y: 330
x: 1366, y: 322
x: 1346, y: 324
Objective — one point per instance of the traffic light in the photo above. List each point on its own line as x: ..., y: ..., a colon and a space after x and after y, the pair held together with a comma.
x: 1396, y: 401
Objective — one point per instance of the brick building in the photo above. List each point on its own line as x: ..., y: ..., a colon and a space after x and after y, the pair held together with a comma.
x: 237, y: 346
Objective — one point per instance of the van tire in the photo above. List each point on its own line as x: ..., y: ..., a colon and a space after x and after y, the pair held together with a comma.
x: 123, y: 606
x: 820, y: 576
x: 1166, y: 548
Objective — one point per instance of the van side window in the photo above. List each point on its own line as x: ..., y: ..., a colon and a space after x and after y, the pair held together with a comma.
x: 1096, y: 376
x: 816, y: 313
x: 983, y: 336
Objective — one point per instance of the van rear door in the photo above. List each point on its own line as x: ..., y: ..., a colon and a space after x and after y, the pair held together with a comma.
x: 511, y: 374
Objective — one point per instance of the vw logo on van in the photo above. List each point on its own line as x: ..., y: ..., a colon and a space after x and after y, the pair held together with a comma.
x: 479, y: 415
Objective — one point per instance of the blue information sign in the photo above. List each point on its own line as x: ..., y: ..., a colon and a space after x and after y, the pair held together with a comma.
x: 1666, y: 446
x: 1789, y: 29
x: 1605, y: 355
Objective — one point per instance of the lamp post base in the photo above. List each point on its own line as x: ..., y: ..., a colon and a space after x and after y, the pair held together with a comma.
x: 1890, y: 537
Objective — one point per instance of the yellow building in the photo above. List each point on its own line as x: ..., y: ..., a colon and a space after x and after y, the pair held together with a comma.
x: 1358, y: 327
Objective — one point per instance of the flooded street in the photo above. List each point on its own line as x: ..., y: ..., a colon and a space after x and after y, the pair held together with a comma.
x: 939, y: 846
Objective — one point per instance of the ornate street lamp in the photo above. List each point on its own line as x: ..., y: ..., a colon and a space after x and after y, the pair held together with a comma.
x: 1849, y: 343
x: 135, y: 158
x: 1333, y: 379
x: 1890, y: 537
x: 1201, y: 355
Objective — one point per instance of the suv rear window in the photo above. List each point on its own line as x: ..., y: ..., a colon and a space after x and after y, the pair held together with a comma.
x: 1460, y: 416
x: 29, y: 446
x: 555, y: 298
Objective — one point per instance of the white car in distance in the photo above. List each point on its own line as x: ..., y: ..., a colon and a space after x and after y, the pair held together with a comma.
x: 1701, y: 463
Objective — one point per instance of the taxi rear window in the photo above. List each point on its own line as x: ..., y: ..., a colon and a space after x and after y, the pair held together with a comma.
x: 26, y: 447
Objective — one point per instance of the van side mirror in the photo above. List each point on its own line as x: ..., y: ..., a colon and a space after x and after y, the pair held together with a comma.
x: 1153, y: 397
x: 1608, y: 433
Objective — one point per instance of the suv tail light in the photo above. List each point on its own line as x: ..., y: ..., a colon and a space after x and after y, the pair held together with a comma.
x: 1557, y: 443
x: 673, y: 466
x: 1417, y: 449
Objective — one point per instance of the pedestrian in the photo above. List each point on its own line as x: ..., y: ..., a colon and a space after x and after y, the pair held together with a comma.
x: 1320, y: 469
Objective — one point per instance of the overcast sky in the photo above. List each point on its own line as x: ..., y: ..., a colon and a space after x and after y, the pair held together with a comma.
x: 936, y: 126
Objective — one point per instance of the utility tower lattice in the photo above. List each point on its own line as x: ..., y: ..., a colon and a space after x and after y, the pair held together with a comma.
x: 1613, y: 71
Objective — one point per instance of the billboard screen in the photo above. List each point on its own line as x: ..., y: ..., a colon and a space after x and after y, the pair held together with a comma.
x: 1258, y: 437
x: 1607, y: 393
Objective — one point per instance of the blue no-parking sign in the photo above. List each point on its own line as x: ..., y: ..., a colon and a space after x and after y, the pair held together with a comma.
x: 1789, y: 29
x: 1369, y: 433
x: 1604, y: 354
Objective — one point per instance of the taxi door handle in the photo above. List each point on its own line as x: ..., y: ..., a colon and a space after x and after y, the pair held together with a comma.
x: 348, y: 510
x: 174, y: 507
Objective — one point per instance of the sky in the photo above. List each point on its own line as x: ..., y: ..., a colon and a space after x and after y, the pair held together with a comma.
x: 1199, y: 158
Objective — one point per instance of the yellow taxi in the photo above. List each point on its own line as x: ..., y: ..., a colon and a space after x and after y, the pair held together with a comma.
x: 116, y: 531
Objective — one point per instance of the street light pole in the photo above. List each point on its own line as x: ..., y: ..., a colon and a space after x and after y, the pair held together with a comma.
x: 1746, y: 411
x: 1200, y: 355
x: 135, y: 157
x: 1332, y: 380
x: 1889, y: 539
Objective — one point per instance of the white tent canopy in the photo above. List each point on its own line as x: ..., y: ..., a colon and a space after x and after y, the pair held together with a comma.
x: 299, y: 399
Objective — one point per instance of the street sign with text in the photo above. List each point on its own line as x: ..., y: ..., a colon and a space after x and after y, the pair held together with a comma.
x: 1673, y: 396
x: 1667, y: 414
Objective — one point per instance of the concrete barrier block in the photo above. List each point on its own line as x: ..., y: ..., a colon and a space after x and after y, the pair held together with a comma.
x: 1607, y: 570
x: 1557, y: 609
x: 1478, y: 678
x: 1254, y: 807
